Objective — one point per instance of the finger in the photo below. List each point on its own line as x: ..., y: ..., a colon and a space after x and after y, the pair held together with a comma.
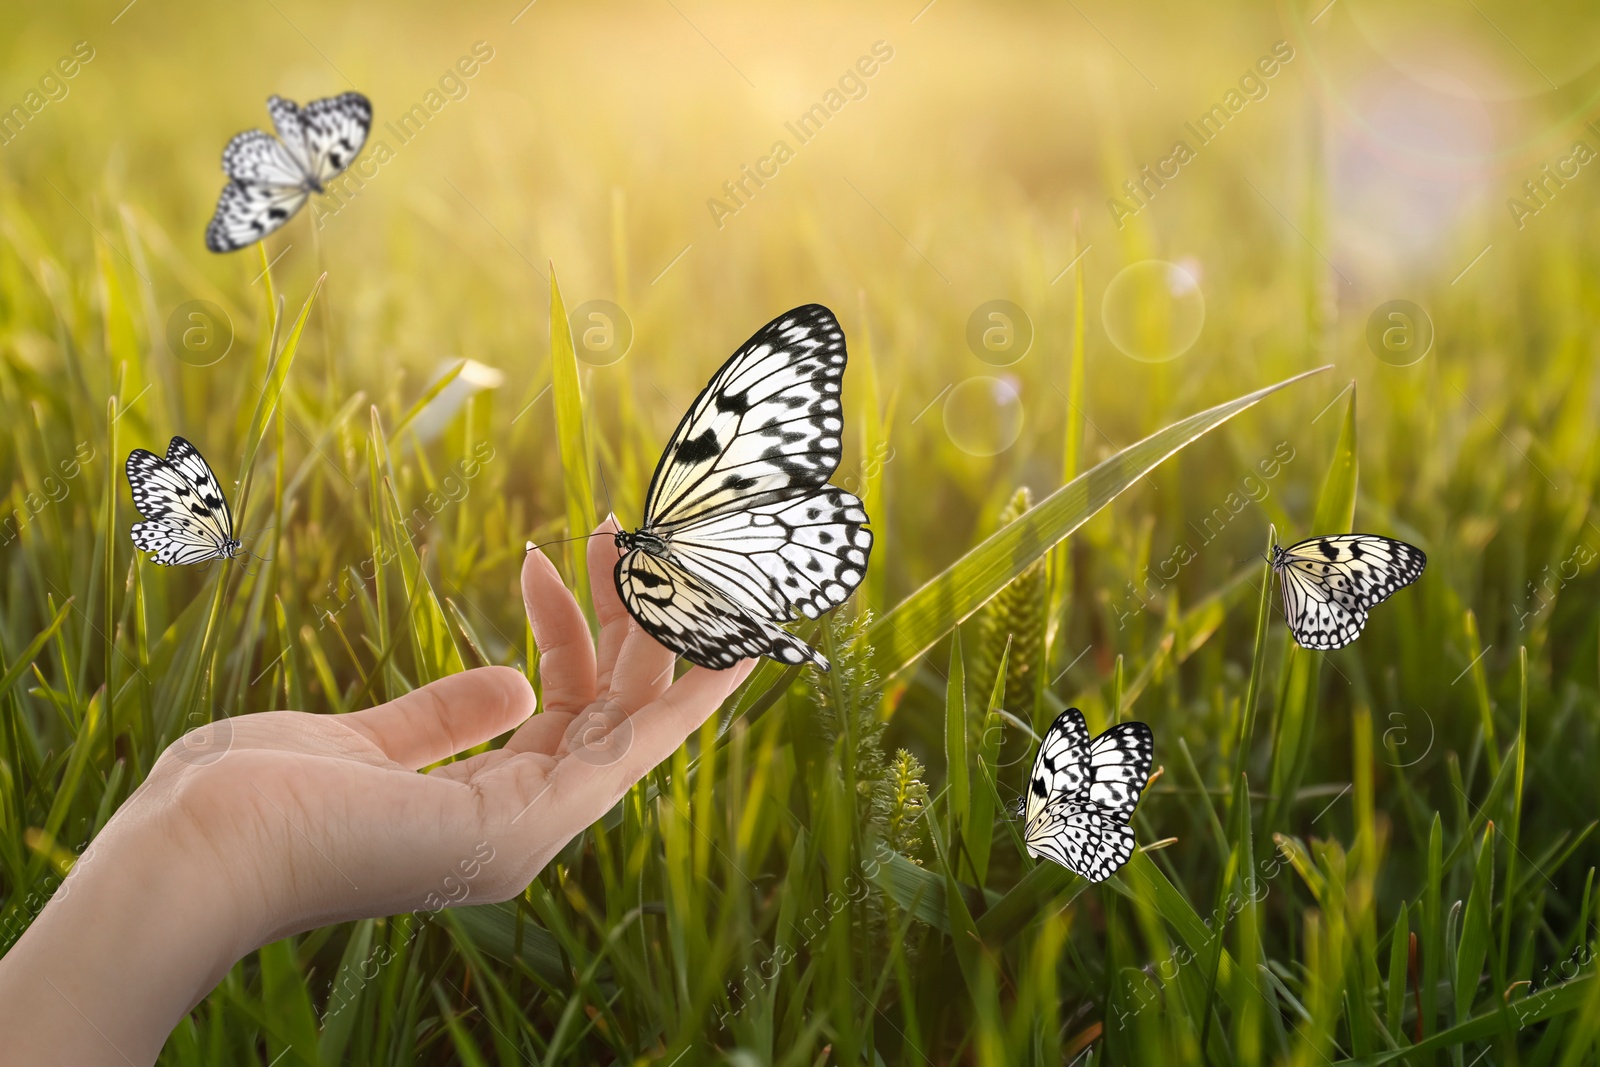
x: 542, y: 733
x: 653, y: 733
x: 447, y: 716
x: 566, y: 651
x: 642, y: 671
x: 635, y: 668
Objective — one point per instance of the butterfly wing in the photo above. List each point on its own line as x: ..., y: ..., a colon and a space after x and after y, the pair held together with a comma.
x: 1060, y: 767
x: 1330, y: 583
x: 697, y: 621
x: 765, y: 429
x: 290, y: 124
x: 335, y: 129
x: 1317, y: 618
x: 247, y: 212
x: 1082, y: 839
x: 213, y: 509
x: 175, y: 540
x: 801, y: 556
x: 183, y: 526
x: 1119, y: 767
x: 258, y: 158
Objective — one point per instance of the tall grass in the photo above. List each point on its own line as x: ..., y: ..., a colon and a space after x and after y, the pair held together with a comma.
x: 1382, y: 854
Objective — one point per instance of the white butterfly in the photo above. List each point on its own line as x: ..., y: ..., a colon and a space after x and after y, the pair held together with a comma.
x: 189, y: 519
x: 271, y: 177
x: 1081, y: 795
x: 1330, y: 583
x: 741, y: 531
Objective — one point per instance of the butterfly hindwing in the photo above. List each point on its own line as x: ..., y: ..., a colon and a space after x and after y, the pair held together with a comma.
x: 247, y: 212
x: 801, y: 556
x: 1330, y: 583
x: 698, y: 622
x: 1082, y: 794
x: 766, y: 427
x: 1084, y: 840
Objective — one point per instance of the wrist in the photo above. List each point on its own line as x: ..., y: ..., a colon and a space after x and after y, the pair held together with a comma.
x: 139, y: 932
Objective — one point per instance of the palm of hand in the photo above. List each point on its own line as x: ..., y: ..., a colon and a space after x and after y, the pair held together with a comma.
x: 314, y: 819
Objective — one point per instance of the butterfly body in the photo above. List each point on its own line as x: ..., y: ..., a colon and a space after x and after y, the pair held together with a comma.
x: 270, y: 178
x: 1082, y: 793
x: 188, y: 520
x: 741, y: 533
x: 1330, y: 583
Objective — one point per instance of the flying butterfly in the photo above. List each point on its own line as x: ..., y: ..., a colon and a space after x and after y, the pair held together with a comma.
x: 1330, y: 583
x: 189, y: 520
x: 270, y: 178
x: 742, y: 532
x: 1082, y: 794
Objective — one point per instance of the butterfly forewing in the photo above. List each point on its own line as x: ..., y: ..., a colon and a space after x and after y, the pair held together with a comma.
x: 1330, y: 583
x: 335, y: 130
x: 1082, y: 794
x: 291, y: 130
x: 767, y: 426
x: 197, y: 472
x: 1058, y: 769
x: 259, y: 158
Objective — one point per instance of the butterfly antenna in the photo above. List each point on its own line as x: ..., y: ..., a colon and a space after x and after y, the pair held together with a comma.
x: 529, y: 546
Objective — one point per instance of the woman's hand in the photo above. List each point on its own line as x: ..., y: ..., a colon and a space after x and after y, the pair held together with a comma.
x: 259, y: 826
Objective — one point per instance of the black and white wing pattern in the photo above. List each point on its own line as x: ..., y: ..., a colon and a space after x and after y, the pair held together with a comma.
x: 1082, y: 794
x: 247, y: 212
x: 270, y: 178
x: 742, y: 534
x: 334, y: 130
x: 188, y: 517
x: 1330, y: 583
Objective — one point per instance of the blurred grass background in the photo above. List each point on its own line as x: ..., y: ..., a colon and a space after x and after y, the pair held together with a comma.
x: 1395, y: 841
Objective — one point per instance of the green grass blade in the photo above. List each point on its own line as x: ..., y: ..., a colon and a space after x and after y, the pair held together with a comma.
x: 572, y: 439
x: 912, y: 627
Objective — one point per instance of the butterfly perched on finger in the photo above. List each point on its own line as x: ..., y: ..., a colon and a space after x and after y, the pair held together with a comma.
x: 1330, y: 583
x: 270, y: 178
x: 187, y: 517
x: 1082, y: 793
x: 742, y: 533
